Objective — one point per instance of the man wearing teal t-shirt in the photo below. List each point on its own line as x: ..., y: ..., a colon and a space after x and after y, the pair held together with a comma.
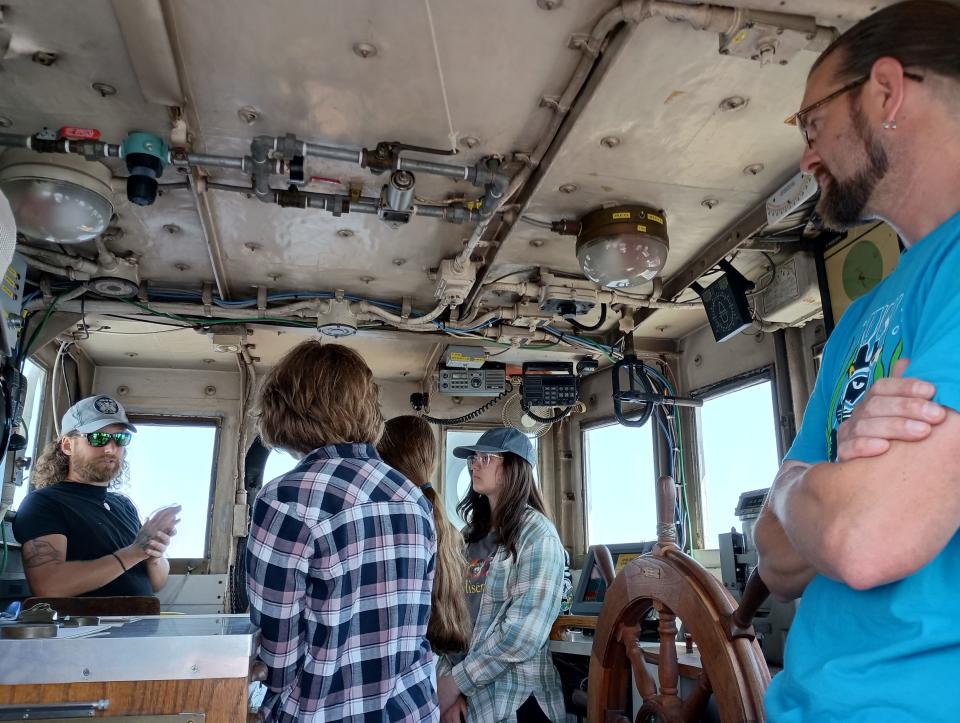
x: 862, y: 518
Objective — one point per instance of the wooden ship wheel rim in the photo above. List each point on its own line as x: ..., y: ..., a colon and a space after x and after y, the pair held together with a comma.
x: 735, y: 672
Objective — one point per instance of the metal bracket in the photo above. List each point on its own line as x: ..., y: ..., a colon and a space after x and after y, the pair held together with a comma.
x: 581, y: 42
x: 207, y: 298
x: 406, y: 308
x: 553, y: 103
x: 261, y: 299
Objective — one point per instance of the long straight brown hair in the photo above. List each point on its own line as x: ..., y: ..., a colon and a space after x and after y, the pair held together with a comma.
x: 519, y: 492
x: 408, y: 445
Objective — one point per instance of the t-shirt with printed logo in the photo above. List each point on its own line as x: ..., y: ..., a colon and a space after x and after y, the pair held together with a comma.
x: 479, y: 555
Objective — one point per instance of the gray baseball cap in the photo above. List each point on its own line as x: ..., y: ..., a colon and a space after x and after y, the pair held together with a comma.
x: 501, y: 439
x: 93, y: 414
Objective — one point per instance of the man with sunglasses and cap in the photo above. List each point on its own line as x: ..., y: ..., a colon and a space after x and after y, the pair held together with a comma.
x: 79, y: 537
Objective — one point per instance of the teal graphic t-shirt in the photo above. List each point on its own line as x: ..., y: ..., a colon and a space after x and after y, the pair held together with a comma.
x: 891, y: 653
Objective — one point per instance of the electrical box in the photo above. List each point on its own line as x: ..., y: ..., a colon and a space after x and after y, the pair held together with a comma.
x: 11, y: 304
x: 454, y: 285
x: 793, y: 295
x: 464, y: 357
x: 561, y: 295
x: 757, y: 38
x: 487, y: 382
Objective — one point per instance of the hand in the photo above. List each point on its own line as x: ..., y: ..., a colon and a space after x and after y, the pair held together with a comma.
x: 456, y: 713
x: 154, y: 536
x: 447, y: 692
x: 895, y: 408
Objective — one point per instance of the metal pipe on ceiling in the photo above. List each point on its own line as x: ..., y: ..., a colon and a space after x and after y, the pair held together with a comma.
x: 294, y: 312
x: 532, y: 289
x: 211, y: 161
x: 58, y: 259
x: 68, y: 272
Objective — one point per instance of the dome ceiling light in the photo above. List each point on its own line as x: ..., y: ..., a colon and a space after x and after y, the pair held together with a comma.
x: 622, y: 246
x: 59, y: 198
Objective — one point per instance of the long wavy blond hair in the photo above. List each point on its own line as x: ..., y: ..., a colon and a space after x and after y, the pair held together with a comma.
x: 53, y: 464
x: 408, y: 445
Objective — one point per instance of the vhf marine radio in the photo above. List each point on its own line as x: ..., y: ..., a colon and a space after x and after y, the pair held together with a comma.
x: 549, y: 384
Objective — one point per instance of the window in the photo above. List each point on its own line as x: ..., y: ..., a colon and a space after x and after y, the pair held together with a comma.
x: 739, y: 433
x: 32, y: 407
x: 279, y: 462
x: 620, y: 477
x: 456, y: 476
x: 173, y: 463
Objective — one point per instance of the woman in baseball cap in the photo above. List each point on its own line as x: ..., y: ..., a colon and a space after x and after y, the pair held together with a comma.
x: 514, y: 579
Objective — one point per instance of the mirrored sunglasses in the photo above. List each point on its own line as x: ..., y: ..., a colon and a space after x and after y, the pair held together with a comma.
x: 102, y: 439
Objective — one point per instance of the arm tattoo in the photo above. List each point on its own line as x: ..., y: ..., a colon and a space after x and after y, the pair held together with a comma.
x: 38, y: 552
x: 143, y: 539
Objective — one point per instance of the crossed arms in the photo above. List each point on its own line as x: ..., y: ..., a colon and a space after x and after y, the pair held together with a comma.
x: 884, y: 510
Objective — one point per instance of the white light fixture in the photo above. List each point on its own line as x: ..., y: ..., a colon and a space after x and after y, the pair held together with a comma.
x: 622, y: 246
x: 338, y: 321
x: 56, y: 197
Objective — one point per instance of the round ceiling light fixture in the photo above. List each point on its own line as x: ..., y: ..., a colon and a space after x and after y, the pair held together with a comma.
x: 59, y: 198
x: 338, y: 321
x: 622, y: 246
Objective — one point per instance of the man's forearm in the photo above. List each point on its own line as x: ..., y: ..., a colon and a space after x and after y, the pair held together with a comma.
x: 50, y: 575
x: 805, y: 520
x: 158, y: 570
x: 784, y: 570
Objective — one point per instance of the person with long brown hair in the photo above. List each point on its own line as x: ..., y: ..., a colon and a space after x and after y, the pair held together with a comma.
x: 409, y: 446
x: 513, y: 585
x: 340, y: 557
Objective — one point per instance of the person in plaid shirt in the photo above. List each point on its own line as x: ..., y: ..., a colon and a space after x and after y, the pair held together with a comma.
x: 513, y: 585
x: 341, y: 553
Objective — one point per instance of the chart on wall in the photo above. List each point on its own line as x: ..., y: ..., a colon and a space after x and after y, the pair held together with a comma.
x: 857, y: 263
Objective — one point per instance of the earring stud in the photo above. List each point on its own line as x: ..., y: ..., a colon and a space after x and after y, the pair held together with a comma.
x: 889, y: 125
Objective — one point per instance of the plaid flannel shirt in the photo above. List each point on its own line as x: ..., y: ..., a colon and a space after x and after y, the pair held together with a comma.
x: 509, y: 657
x: 340, y: 564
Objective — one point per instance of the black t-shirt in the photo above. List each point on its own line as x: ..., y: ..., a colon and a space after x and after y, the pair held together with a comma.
x: 95, y: 522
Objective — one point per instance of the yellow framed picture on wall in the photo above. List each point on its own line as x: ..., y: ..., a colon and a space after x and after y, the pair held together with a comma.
x: 855, y: 264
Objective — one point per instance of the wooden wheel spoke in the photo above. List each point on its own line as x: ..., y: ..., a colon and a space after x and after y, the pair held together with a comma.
x: 696, y: 704
x: 668, y: 666
x: 630, y: 639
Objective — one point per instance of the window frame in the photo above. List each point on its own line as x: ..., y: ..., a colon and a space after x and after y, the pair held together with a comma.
x: 188, y: 565
x: 585, y: 491
x: 736, y: 383
x: 33, y: 441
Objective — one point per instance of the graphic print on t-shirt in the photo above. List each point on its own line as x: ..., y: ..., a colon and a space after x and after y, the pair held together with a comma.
x: 880, y: 333
x: 477, y: 575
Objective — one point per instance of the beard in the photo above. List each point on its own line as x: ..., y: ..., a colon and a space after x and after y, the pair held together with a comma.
x: 842, y: 204
x: 98, y: 471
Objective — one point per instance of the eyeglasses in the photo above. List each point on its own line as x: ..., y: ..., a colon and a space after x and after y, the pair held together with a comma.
x: 102, y: 439
x: 799, y: 118
x: 482, y: 459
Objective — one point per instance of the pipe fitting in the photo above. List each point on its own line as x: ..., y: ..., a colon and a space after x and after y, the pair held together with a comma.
x: 260, y: 148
